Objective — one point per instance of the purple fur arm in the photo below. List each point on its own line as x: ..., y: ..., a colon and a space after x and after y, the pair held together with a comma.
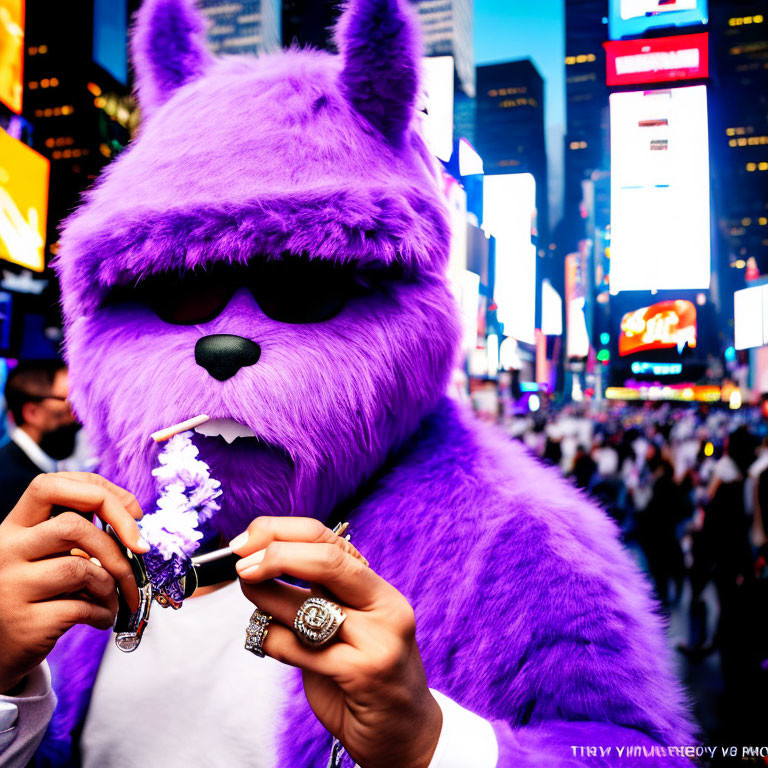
x: 577, y: 745
x: 529, y: 612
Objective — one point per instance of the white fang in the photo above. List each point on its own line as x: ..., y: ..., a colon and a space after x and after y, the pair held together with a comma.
x: 229, y: 429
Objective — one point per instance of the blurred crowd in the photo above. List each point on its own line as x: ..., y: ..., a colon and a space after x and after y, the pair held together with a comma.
x: 688, y: 488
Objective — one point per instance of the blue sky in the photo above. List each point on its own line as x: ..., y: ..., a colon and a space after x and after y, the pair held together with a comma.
x: 516, y: 29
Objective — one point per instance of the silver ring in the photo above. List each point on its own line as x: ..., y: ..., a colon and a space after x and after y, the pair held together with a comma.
x: 256, y: 633
x: 317, y: 621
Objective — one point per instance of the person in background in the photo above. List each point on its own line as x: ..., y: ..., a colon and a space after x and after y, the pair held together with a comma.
x: 657, y: 530
x: 758, y: 472
x: 584, y: 468
x: 44, y: 429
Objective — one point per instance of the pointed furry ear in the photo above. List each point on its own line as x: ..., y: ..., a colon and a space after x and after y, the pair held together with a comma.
x: 380, y: 43
x: 168, y: 49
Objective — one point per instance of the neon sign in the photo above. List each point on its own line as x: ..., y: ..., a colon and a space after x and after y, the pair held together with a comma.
x: 680, y: 392
x: 665, y: 325
x: 663, y: 59
x: 657, y: 369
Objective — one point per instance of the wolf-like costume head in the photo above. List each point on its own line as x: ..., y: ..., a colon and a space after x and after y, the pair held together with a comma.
x: 271, y: 249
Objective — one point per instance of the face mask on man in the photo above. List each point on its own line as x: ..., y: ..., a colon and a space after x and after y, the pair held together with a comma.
x: 59, y: 443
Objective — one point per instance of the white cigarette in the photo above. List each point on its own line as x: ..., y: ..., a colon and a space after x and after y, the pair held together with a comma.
x: 167, y: 433
x: 210, y: 557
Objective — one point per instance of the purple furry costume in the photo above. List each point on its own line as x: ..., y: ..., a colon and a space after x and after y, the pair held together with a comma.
x: 529, y: 612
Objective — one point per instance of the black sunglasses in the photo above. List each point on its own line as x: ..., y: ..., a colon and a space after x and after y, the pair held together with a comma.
x: 294, y: 289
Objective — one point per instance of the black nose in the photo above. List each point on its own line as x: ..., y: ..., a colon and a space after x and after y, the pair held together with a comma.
x: 223, y: 355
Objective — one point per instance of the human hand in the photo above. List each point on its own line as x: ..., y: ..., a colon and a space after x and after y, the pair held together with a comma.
x: 367, y: 687
x: 44, y: 588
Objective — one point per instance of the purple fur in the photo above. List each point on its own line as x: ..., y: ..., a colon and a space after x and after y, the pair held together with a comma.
x: 168, y: 49
x: 381, y: 50
x: 528, y: 611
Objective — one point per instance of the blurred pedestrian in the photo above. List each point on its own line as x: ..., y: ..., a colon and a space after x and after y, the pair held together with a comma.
x: 584, y: 467
x: 758, y: 472
x: 43, y: 430
x: 657, y: 530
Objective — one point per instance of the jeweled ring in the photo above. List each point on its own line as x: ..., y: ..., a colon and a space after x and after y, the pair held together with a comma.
x: 318, y: 621
x: 256, y: 633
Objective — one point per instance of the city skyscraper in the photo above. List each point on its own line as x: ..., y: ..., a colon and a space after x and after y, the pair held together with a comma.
x: 510, y: 125
x: 739, y: 133
x: 77, y: 113
x: 77, y: 94
x: 738, y: 129
x: 247, y: 26
x: 447, y: 30
x: 587, y: 135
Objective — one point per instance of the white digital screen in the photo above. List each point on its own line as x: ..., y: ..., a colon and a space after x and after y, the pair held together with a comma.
x: 750, y: 317
x: 551, y: 310
x: 660, y: 212
x: 470, y: 303
x: 470, y: 163
x: 635, y: 9
x: 578, y: 336
x: 438, y: 101
x: 634, y: 18
x: 509, y: 210
x: 456, y: 198
x: 493, y: 355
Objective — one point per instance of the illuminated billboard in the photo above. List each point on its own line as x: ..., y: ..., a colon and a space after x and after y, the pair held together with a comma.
x: 577, y: 340
x: 660, y: 211
x: 686, y: 393
x: 665, y: 325
x: 631, y: 62
x: 750, y: 317
x: 632, y: 18
x: 470, y: 163
x: 438, y: 103
x: 23, y: 203
x: 551, y: 310
x: 11, y: 53
x: 469, y: 303
x: 509, y: 213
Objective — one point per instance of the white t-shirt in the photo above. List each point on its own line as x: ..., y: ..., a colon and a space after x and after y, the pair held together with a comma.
x: 196, y: 717
x: 218, y: 704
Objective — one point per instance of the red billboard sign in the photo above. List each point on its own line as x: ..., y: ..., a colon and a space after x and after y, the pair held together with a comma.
x: 661, y: 60
x: 665, y: 325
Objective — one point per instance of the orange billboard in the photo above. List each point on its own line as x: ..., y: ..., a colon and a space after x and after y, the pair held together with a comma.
x: 23, y: 203
x: 664, y: 325
x: 11, y: 53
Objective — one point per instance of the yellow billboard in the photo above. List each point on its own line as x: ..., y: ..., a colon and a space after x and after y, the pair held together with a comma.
x: 23, y: 203
x: 11, y: 53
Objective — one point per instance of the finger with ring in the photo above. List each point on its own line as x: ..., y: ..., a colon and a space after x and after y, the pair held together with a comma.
x: 256, y: 633
x: 318, y: 621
